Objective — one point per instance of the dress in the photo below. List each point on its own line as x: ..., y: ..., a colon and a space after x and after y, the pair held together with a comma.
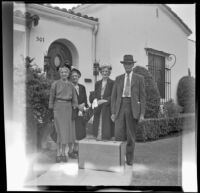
x: 80, y: 123
x: 62, y: 98
x: 103, y: 127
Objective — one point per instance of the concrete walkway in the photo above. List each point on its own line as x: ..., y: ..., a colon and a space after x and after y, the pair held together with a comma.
x: 69, y: 174
x: 156, y: 163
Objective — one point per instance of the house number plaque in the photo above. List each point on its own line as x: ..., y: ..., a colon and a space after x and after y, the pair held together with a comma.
x: 39, y: 39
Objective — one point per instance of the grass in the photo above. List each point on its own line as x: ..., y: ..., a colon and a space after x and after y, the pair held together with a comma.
x: 158, y: 163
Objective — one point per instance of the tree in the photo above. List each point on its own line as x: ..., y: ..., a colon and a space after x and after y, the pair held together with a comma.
x: 152, y: 93
x: 186, y: 94
x: 37, y: 99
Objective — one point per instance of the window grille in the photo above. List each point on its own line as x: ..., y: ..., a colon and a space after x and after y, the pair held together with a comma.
x: 160, y: 72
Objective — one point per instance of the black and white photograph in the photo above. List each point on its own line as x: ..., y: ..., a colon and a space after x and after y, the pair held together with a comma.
x: 103, y: 95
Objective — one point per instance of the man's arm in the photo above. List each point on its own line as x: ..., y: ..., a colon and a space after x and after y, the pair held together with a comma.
x: 113, y: 100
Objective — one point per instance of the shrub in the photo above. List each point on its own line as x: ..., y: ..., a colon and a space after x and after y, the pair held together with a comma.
x: 37, y: 92
x: 171, y: 109
x: 186, y: 94
x: 152, y: 129
x: 37, y: 99
x: 152, y: 93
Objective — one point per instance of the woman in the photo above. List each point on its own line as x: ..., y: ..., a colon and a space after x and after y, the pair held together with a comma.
x: 103, y: 127
x: 62, y: 99
x: 80, y: 123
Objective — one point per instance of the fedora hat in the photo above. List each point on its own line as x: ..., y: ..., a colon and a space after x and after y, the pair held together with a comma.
x: 128, y: 59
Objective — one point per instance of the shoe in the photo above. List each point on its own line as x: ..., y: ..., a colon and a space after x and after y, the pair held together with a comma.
x: 64, y: 158
x: 99, y: 139
x: 58, y: 159
x: 76, y: 152
x: 129, y: 163
x: 72, y: 155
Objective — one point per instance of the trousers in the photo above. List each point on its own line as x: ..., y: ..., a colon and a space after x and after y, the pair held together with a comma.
x: 125, y: 128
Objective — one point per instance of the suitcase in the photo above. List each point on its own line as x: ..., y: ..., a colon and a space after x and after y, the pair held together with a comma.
x: 102, y: 155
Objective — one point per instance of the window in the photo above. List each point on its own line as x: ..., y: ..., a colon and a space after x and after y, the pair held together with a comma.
x: 161, y: 74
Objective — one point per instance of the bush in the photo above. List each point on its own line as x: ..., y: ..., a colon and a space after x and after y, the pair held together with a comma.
x: 152, y: 129
x: 37, y: 99
x: 37, y: 92
x: 152, y: 93
x: 171, y: 109
x: 186, y: 94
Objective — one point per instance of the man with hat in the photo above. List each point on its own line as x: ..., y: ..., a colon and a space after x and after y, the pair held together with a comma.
x: 128, y: 105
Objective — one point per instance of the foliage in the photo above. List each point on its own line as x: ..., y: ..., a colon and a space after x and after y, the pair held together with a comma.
x: 152, y: 93
x: 186, y: 94
x: 170, y: 109
x: 152, y: 129
x: 37, y: 92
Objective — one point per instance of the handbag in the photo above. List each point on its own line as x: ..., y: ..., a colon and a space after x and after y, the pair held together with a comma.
x: 88, y: 114
x: 53, y: 134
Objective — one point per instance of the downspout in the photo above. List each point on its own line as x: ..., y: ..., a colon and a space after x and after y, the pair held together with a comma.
x: 95, y: 30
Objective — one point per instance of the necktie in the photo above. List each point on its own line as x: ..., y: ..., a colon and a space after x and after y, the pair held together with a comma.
x: 127, y: 87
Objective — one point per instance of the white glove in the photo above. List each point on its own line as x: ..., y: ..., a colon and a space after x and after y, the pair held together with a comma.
x: 94, y: 104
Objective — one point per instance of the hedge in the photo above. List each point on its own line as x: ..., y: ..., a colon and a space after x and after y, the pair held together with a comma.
x: 152, y: 129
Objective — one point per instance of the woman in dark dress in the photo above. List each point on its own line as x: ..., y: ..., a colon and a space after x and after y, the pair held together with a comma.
x: 80, y: 123
x: 103, y: 127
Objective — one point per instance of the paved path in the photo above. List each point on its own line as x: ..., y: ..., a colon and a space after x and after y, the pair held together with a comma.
x: 69, y: 174
x: 156, y: 163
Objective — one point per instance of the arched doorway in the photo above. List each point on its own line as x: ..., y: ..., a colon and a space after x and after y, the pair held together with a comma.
x: 58, y: 54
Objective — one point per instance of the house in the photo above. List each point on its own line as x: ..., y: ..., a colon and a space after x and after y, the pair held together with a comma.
x: 191, y: 56
x: 102, y: 33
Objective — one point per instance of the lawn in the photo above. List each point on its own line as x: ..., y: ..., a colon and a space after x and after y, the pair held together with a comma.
x: 158, y: 163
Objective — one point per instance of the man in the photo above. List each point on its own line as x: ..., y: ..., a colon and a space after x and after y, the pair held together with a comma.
x: 128, y: 105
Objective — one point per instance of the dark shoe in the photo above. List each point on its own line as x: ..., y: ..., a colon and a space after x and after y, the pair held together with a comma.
x: 58, y: 159
x: 129, y: 163
x: 76, y: 152
x: 72, y: 155
x: 64, y: 158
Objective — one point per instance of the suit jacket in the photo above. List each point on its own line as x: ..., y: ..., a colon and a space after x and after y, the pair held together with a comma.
x: 82, y: 97
x: 80, y: 123
x: 137, y: 95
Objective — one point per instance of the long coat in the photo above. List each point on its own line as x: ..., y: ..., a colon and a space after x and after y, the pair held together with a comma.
x: 137, y: 95
x: 80, y: 123
x: 105, y: 108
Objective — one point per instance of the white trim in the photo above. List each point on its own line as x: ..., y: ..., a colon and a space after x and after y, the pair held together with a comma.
x: 175, y: 19
x: 18, y: 27
x: 19, y: 20
x: 59, y: 15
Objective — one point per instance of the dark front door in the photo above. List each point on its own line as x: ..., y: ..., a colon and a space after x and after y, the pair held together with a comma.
x: 58, y: 54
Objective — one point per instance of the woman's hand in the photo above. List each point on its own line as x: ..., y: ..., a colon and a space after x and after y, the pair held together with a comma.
x: 113, y: 117
x: 81, y: 107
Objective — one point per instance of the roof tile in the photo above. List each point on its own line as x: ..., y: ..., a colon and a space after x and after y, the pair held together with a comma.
x: 71, y: 12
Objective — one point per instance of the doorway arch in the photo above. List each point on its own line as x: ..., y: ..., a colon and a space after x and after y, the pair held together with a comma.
x: 59, y: 52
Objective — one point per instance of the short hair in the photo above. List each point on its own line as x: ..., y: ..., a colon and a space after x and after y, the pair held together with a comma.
x: 109, y: 67
x: 65, y: 66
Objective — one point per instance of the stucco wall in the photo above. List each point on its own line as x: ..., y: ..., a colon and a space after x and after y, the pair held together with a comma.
x: 129, y: 28
x: 81, y: 38
x: 192, y: 57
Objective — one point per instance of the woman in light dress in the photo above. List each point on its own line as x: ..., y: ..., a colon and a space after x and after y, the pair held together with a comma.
x: 62, y: 99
